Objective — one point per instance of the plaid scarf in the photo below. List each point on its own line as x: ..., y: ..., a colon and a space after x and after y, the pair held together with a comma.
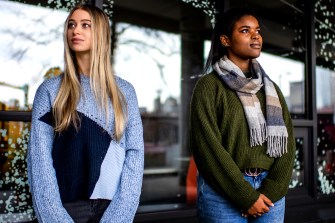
x: 273, y: 130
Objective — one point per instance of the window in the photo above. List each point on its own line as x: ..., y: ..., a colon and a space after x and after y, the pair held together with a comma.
x: 325, y: 95
x: 30, y: 51
x: 150, y: 60
x: 15, y: 198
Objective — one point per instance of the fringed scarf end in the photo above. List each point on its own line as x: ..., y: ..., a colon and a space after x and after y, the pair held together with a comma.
x: 258, y: 135
x: 277, y: 146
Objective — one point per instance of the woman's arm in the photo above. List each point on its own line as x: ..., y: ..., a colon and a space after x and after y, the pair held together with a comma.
x: 41, y: 174
x: 126, y: 200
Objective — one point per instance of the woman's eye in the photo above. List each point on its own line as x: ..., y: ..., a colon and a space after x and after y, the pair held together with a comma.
x: 258, y: 31
x: 86, y: 25
x: 71, y: 25
x: 244, y: 30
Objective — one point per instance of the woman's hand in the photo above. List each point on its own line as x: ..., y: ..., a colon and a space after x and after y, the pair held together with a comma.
x: 260, y: 207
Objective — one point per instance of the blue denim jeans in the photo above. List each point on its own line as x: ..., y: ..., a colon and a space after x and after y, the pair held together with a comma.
x: 214, y: 208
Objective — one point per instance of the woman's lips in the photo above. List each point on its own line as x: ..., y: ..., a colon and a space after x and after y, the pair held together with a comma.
x: 76, y: 40
x: 255, y: 45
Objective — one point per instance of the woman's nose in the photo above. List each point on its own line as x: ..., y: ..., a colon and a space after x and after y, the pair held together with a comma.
x: 76, y: 30
x: 255, y: 35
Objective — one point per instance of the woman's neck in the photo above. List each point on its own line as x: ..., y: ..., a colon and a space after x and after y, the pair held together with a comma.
x: 84, y: 63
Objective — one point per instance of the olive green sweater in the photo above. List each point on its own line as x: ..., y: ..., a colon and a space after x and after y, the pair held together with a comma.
x: 220, y: 144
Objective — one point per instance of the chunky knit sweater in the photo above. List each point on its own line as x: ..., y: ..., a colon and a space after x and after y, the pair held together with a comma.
x: 85, y: 164
x: 220, y: 143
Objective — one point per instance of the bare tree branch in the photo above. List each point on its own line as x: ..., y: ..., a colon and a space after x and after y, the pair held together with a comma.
x: 148, y: 46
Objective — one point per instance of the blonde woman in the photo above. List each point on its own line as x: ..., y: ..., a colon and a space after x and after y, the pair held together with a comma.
x: 86, y: 153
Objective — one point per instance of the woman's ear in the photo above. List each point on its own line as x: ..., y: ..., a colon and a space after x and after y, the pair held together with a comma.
x: 224, y: 40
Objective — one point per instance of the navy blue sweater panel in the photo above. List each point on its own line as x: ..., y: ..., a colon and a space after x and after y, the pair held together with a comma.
x: 77, y: 157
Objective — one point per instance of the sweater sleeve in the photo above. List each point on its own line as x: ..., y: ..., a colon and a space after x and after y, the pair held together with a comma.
x: 126, y: 200
x: 213, y: 161
x: 41, y: 174
x: 275, y: 186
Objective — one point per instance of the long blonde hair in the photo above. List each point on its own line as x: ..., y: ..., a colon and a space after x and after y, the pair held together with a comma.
x: 102, y: 79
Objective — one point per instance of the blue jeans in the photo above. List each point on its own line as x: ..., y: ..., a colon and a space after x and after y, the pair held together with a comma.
x: 215, y: 208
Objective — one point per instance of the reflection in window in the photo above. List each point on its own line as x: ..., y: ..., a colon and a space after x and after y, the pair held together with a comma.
x: 284, y: 50
x: 324, y: 33
x: 15, y: 198
x: 297, y: 179
x: 288, y: 74
x: 30, y: 45
x: 150, y: 60
x: 326, y: 154
x: 325, y: 95
x: 158, y: 89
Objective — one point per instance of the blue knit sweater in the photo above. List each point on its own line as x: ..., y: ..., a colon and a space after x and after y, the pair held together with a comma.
x: 84, y: 164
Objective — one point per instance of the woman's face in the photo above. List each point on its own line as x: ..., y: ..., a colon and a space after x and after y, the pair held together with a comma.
x: 79, y: 31
x: 246, y: 41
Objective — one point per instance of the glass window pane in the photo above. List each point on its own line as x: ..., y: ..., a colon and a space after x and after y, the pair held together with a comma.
x: 284, y: 50
x: 150, y: 60
x: 30, y: 50
x: 288, y: 74
x: 15, y: 198
x: 297, y: 179
x: 325, y: 95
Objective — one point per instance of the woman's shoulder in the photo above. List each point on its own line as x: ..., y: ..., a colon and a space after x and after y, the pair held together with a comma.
x: 122, y: 82
x: 51, y: 84
x: 208, y: 78
x: 209, y: 81
x: 45, y: 95
x: 125, y: 86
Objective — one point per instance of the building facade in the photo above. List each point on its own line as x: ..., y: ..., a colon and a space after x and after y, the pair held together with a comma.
x: 160, y: 46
